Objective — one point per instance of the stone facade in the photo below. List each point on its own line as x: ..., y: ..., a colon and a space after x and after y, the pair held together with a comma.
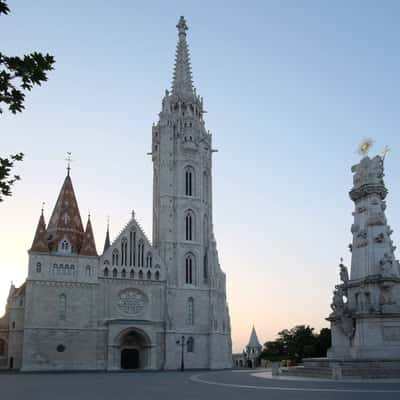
x: 128, y: 307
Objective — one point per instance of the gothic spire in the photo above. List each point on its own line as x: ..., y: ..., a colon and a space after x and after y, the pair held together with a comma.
x: 182, y: 83
x: 88, y: 244
x: 253, y: 342
x: 107, y: 241
x: 65, y: 222
x: 40, y: 240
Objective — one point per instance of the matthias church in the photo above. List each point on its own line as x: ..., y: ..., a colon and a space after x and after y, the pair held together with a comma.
x: 141, y: 304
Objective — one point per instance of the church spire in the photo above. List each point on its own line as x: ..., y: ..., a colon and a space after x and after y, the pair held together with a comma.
x: 182, y: 83
x: 88, y: 244
x: 107, y: 241
x: 40, y: 240
x: 253, y: 342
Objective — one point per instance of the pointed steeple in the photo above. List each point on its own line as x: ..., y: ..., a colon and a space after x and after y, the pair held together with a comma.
x: 253, y: 342
x: 182, y: 83
x: 88, y: 244
x: 40, y: 240
x: 65, y: 222
x: 107, y: 241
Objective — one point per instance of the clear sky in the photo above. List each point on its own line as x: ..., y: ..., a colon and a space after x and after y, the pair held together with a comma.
x: 290, y: 88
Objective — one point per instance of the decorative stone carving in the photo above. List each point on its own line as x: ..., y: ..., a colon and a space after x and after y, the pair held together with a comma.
x: 376, y: 219
x: 386, y: 265
x: 131, y: 301
x: 344, y: 273
x: 362, y: 234
x: 337, y: 302
x: 355, y: 228
x: 361, y: 209
x: 380, y: 238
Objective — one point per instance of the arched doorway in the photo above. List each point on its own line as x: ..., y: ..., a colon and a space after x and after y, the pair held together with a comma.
x: 130, y: 359
x: 134, y: 347
x: 249, y: 364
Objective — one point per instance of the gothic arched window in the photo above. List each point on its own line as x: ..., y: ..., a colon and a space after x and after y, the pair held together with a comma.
x: 124, y: 251
x: 64, y: 246
x: 132, y: 274
x: 190, y: 311
x: 140, y: 253
x: 189, y: 223
x: 189, y: 269
x: 105, y: 273
x: 190, y: 345
x: 140, y: 274
x: 206, y: 188
x: 189, y: 181
x: 38, y: 267
x: 157, y: 275
x: 123, y: 273
x: 148, y: 275
x: 115, y: 272
x: 88, y: 270
x: 132, y: 248
x: 149, y: 260
x: 115, y: 256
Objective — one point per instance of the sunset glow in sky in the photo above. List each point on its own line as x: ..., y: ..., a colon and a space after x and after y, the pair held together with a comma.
x: 290, y: 92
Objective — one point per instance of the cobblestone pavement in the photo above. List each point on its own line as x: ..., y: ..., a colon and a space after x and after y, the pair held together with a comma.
x: 232, y: 385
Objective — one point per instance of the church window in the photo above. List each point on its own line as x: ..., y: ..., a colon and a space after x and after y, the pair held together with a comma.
x: 123, y: 273
x: 132, y: 274
x: 2, y: 347
x: 140, y: 274
x: 140, y: 253
x: 189, y: 181
x: 149, y: 260
x: 64, y: 246
x: 157, y: 275
x: 106, y: 272
x: 132, y: 247
x: 205, y: 187
x: 38, y: 267
x: 124, y: 251
x: 88, y: 270
x: 60, y: 348
x: 189, y: 267
x: 148, y: 275
x: 13, y: 325
x: 205, y: 267
x: 62, y: 307
x: 190, y: 311
x: 114, y: 273
x: 190, y: 345
x: 189, y: 225
x: 115, y: 256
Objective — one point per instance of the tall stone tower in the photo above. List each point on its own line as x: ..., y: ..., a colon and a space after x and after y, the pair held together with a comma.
x: 365, y: 318
x: 182, y: 220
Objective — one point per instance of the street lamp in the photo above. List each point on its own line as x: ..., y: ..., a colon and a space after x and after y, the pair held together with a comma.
x: 182, y: 344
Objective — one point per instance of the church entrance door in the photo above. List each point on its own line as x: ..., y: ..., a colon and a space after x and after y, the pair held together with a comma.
x: 130, y: 359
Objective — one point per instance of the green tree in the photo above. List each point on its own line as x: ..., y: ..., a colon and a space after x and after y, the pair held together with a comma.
x: 18, y: 74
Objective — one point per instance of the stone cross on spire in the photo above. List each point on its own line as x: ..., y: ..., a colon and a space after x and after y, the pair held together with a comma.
x: 182, y: 83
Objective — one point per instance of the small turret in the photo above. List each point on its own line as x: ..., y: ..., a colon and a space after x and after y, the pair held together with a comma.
x: 39, y: 243
x: 88, y: 244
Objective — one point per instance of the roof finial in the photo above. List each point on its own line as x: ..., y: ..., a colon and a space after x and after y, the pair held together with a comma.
x: 182, y: 27
x: 68, y: 160
x: 43, y: 207
x: 108, y: 222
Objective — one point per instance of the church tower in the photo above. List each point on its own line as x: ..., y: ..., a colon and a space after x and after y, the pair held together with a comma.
x: 182, y: 218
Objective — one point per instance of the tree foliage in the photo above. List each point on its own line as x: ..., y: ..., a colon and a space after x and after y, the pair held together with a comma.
x: 297, y: 343
x: 6, y: 178
x: 19, y: 74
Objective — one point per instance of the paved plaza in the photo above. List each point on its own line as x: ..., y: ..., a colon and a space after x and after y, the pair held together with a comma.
x: 188, y: 385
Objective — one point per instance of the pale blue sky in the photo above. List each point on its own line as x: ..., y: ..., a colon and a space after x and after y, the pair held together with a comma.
x: 290, y: 87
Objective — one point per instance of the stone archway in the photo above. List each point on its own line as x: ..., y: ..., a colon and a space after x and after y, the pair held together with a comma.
x: 134, y: 349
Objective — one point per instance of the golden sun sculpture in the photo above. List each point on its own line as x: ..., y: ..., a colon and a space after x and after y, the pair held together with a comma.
x: 364, y: 146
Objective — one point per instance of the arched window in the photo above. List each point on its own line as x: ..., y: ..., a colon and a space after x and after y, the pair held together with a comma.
x: 189, y: 269
x: 105, y: 273
x: 132, y: 248
x: 2, y: 347
x: 189, y: 222
x: 124, y: 251
x: 157, y: 275
x: 190, y: 311
x: 140, y: 274
x: 189, y: 181
x: 88, y: 270
x: 115, y: 273
x: 205, y: 266
x: 206, y: 189
x: 62, y: 306
x: 123, y: 273
x: 132, y: 274
x: 190, y: 345
x: 115, y: 256
x: 148, y: 275
x: 149, y: 260
x: 64, y: 246
x: 140, y: 253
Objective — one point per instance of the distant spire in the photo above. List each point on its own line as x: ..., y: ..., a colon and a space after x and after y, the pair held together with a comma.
x: 68, y: 160
x: 253, y: 342
x: 40, y: 240
x: 107, y: 241
x: 182, y: 83
x: 88, y: 245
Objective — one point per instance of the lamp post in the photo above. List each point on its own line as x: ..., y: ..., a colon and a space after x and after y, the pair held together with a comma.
x: 182, y: 343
